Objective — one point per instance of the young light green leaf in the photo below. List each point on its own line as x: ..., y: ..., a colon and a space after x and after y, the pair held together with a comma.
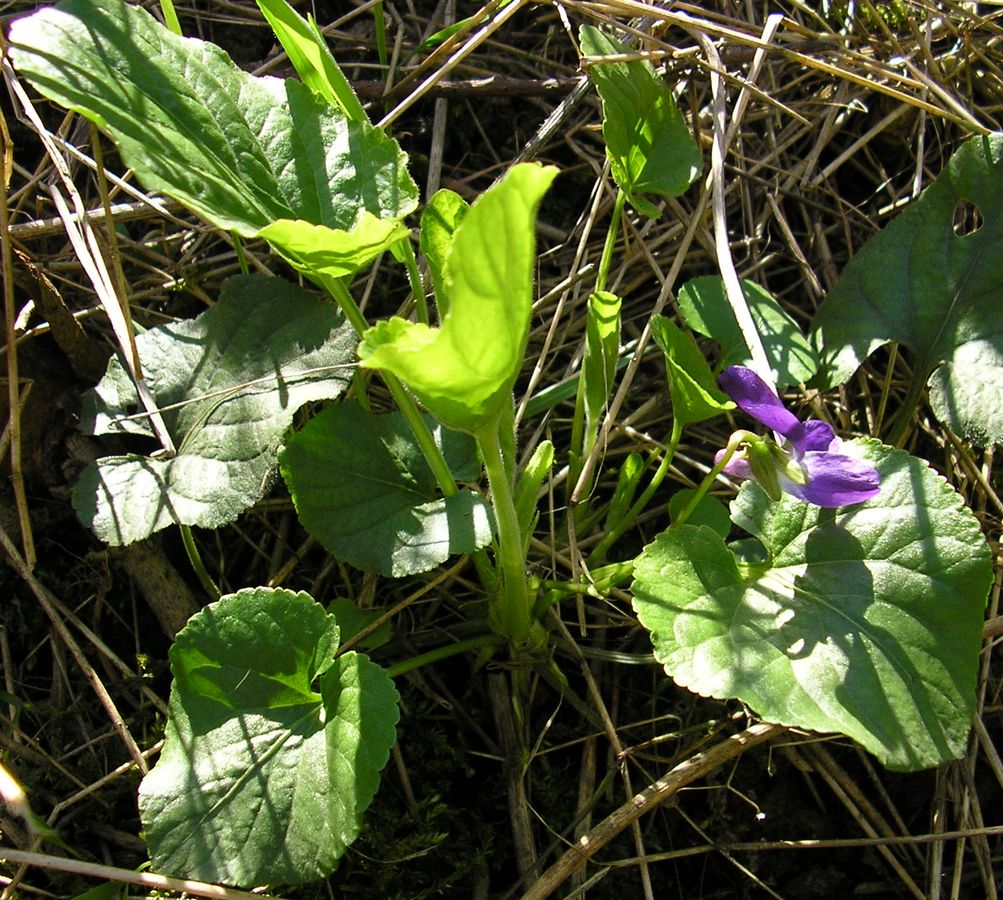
x: 531, y: 480
x: 464, y: 370
x: 273, y: 745
x: 706, y: 310
x: 695, y: 395
x: 229, y: 383
x: 337, y: 253
x: 240, y: 151
x: 865, y: 620
x: 933, y: 287
x: 363, y: 489
x: 439, y: 220
x: 311, y: 58
x: 602, y: 349
x: 650, y: 149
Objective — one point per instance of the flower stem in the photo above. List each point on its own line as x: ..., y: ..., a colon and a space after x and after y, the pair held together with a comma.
x: 638, y: 506
x: 914, y: 393
x: 480, y: 642
x: 205, y: 579
x: 716, y: 469
x: 414, y: 276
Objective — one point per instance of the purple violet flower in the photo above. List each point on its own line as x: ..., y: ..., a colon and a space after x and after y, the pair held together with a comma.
x: 805, y: 461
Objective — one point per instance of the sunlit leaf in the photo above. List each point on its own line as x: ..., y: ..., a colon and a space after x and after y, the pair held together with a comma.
x: 240, y: 151
x: 865, y: 620
x: 650, y: 149
x: 463, y: 371
x: 273, y: 746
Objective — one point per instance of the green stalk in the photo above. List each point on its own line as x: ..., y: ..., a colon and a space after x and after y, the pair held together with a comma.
x: 581, y: 443
x: 717, y: 469
x: 422, y: 433
x: 205, y: 579
x: 510, y: 611
x: 606, y: 260
x: 414, y: 276
x: 914, y: 393
x: 638, y: 506
x: 170, y: 16
x: 480, y: 642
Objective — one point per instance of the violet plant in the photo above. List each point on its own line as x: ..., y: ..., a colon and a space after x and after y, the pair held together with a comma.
x: 855, y: 606
x: 804, y: 461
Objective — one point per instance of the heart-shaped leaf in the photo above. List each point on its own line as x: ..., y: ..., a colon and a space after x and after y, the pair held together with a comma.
x: 238, y: 150
x: 464, y: 370
x: 865, y: 620
x: 650, y: 149
x: 228, y: 383
x: 273, y: 745
x: 363, y: 488
x: 705, y: 309
x: 933, y: 285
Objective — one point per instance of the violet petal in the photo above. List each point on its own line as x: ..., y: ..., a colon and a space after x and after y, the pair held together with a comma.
x: 835, y: 480
x: 753, y: 396
x: 811, y: 435
x: 738, y: 466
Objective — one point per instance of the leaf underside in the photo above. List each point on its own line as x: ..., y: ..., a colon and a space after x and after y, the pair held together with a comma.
x: 229, y: 383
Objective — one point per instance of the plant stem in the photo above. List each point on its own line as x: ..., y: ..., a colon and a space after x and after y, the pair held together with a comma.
x: 708, y: 480
x: 606, y: 260
x: 638, y: 506
x: 422, y: 433
x: 510, y: 610
x: 913, y: 394
x: 414, y: 276
x: 480, y: 642
x: 205, y: 579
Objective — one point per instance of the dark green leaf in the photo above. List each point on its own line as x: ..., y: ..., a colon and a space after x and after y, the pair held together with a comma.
x: 362, y: 488
x: 273, y: 747
x: 934, y: 291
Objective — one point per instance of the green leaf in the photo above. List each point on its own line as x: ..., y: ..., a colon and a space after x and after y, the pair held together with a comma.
x: 439, y: 220
x: 936, y: 292
x: 273, y: 745
x: 311, y: 58
x: 229, y: 383
x: 364, y: 490
x: 695, y: 394
x: 313, y: 249
x: 240, y: 151
x: 602, y: 349
x: 650, y: 149
x: 464, y: 371
x: 865, y: 620
x: 706, y: 310
x: 709, y: 511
